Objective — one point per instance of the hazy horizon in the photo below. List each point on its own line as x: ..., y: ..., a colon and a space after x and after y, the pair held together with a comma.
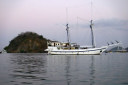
x: 48, y: 18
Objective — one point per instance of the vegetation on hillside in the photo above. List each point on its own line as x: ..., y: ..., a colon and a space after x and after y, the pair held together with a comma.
x: 28, y: 42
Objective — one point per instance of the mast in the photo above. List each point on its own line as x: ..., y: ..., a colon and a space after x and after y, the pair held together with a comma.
x: 92, y: 35
x: 67, y: 29
x: 91, y: 24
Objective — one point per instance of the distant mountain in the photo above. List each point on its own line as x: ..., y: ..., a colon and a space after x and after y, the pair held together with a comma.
x: 28, y: 42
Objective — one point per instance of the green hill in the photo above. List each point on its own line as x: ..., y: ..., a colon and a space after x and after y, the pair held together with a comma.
x: 27, y: 42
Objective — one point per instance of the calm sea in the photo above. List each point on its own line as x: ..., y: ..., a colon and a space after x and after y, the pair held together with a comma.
x: 42, y: 69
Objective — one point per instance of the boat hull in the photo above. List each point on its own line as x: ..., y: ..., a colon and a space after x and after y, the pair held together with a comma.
x: 74, y: 53
x: 93, y: 51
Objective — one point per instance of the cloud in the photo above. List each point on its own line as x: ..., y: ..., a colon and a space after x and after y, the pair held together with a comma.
x: 112, y: 24
x: 116, y: 24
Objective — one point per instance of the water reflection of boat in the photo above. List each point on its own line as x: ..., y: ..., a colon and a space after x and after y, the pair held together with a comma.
x: 92, y: 71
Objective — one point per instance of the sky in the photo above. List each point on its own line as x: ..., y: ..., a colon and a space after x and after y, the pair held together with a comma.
x: 49, y: 17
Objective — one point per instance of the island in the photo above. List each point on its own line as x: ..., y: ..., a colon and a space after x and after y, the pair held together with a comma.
x: 27, y: 42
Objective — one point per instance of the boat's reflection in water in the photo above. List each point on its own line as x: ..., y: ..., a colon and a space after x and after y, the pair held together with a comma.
x: 92, y: 71
x: 38, y: 69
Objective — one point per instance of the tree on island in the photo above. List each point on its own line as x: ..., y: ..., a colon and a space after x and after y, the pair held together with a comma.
x: 28, y: 42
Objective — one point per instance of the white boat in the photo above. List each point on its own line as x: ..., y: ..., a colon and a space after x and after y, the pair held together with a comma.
x: 89, y: 51
x: 58, y: 48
